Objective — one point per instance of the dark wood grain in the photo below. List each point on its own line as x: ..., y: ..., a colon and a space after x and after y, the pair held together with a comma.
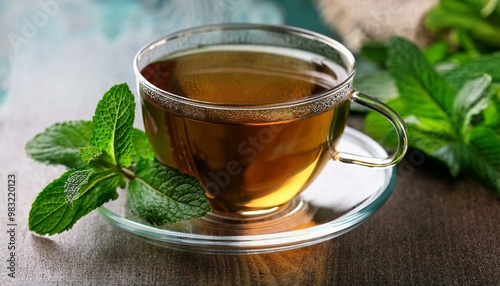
x: 433, y: 230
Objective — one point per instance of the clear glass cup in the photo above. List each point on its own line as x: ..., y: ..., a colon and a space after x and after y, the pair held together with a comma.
x: 254, y: 156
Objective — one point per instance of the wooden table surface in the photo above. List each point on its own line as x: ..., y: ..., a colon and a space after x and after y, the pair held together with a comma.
x: 433, y: 230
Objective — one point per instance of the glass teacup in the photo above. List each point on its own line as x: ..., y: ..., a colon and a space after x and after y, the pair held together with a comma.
x: 253, y: 111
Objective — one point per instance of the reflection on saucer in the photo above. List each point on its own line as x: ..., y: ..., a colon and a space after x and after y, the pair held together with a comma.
x: 342, y: 197
x: 341, y: 186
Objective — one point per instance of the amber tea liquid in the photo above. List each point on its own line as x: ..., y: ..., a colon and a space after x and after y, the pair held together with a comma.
x: 252, y: 164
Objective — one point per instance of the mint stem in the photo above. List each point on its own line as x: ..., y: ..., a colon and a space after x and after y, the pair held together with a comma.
x: 129, y: 174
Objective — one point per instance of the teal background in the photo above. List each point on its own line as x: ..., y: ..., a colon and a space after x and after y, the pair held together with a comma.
x: 90, y: 44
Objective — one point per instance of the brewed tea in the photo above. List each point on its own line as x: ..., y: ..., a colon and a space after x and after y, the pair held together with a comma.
x: 244, y: 165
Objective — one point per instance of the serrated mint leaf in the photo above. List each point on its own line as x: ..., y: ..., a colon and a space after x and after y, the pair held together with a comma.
x: 453, y: 117
x: 483, y: 156
x: 142, y: 148
x: 60, y: 143
x: 75, y: 182
x: 113, y: 120
x: 471, y: 100
x: 429, y: 104
x: 426, y: 102
x: 486, y: 64
x: 51, y: 212
x: 436, y: 144
x: 418, y: 82
x: 160, y: 194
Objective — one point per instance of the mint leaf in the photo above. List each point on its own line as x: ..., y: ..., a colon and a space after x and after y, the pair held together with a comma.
x: 437, y: 51
x: 102, y: 150
x: 417, y: 80
x: 90, y: 154
x: 142, y: 148
x: 492, y: 112
x: 470, y: 100
x: 60, y: 143
x: 426, y: 103
x: 51, y: 212
x: 112, y: 130
x: 429, y: 137
x: 483, y: 158
x: 464, y: 16
x: 160, y: 194
x: 454, y: 118
x: 96, y: 158
x: 75, y: 182
x: 486, y: 64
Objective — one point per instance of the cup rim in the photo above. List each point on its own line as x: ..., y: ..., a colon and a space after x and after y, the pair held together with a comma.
x: 246, y: 26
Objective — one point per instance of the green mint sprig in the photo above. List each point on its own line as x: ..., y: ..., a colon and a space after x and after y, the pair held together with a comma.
x: 453, y: 116
x: 60, y: 143
x: 472, y: 25
x: 103, y: 155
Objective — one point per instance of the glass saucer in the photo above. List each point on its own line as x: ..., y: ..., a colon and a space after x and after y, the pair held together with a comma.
x: 342, y: 197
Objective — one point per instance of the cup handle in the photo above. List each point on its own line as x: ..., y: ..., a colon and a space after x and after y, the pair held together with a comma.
x: 397, y: 123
